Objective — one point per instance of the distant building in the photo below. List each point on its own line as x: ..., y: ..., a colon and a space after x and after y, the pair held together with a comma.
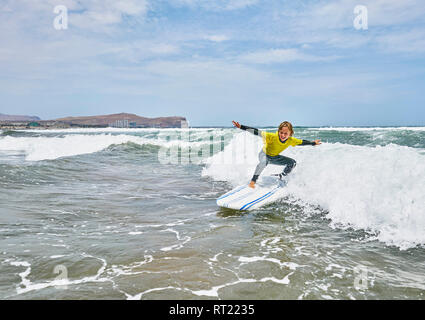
x: 184, y: 124
x: 120, y: 124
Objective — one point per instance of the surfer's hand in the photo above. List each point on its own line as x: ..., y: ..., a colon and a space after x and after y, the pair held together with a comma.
x: 252, y: 184
x: 317, y: 142
x: 236, y: 124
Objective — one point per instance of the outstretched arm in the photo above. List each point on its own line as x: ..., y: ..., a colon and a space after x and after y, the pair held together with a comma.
x: 310, y: 143
x: 254, y: 131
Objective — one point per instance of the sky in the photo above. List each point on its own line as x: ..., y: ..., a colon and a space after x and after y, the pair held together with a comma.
x: 311, y: 62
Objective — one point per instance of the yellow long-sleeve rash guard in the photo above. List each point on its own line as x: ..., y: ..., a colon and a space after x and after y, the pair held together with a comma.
x: 272, y: 144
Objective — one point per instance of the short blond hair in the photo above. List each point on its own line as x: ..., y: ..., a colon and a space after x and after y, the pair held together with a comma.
x: 288, y: 125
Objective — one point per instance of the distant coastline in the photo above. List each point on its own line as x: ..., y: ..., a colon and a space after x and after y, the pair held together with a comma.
x: 118, y: 120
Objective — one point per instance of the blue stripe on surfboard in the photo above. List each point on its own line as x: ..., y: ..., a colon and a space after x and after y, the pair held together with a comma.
x: 230, y: 193
x: 254, y: 201
x: 272, y: 193
x: 250, y: 204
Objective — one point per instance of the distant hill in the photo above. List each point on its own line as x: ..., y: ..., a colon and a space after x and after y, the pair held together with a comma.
x: 7, y: 117
x: 122, y: 119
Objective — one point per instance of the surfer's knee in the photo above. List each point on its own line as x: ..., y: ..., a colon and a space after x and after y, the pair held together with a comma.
x: 292, y: 163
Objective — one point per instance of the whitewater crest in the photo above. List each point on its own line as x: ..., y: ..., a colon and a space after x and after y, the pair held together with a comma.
x: 185, y: 145
x: 376, y: 189
x: 50, y: 148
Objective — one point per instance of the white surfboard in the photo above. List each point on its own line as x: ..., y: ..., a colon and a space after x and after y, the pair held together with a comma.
x: 245, y: 198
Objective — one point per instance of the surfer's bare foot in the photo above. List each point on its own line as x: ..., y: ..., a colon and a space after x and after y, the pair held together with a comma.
x: 252, y: 184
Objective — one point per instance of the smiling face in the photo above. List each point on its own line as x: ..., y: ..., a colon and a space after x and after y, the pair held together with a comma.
x: 284, y: 133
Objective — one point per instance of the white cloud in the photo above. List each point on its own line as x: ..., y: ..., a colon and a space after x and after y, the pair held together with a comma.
x: 407, y: 41
x: 215, y: 5
x: 131, y: 7
x: 394, y: 12
x: 97, y: 14
x: 281, y: 56
x: 329, y: 24
x: 164, y: 49
x: 239, y: 4
x: 217, y: 38
x: 326, y: 15
x: 93, y: 15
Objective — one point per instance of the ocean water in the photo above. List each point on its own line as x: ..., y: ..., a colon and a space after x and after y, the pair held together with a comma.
x: 132, y: 214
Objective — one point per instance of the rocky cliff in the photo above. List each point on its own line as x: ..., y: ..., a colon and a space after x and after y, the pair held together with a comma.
x: 7, y: 117
x: 126, y: 120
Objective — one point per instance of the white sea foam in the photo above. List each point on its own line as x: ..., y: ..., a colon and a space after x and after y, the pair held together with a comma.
x: 213, y: 292
x: 114, y: 130
x: 49, y: 148
x: 377, y: 189
x: 27, y: 286
x: 290, y: 265
x: 179, y: 238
